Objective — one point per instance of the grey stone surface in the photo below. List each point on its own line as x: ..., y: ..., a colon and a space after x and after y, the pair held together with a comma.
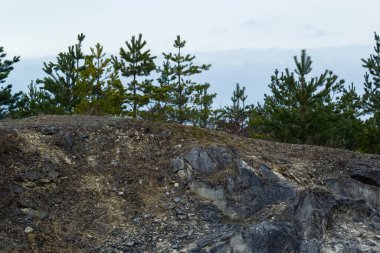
x: 252, y: 191
x: 30, y: 176
x: 221, y: 156
x: 68, y: 139
x: 200, y: 161
x: 301, y: 226
x: 35, y: 213
x: 177, y: 164
x: 183, y: 169
x: 261, y: 238
x: 367, y: 176
x: 216, y: 195
x: 49, y: 130
x: 272, y: 237
x: 311, y: 246
x: 312, y: 210
x: 352, y: 188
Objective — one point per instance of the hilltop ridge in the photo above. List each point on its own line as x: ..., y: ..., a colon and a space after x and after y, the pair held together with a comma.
x: 106, y: 184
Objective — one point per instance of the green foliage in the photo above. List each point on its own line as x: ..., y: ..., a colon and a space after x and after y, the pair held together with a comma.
x: 114, y: 94
x: 98, y: 88
x: 6, y: 66
x: 33, y: 102
x: 369, y: 142
x: 257, y: 123
x: 136, y: 62
x: 161, y: 107
x: 62, y: 78
x: 176, y: 76
x: 234, y: 118
x: 7, y: 99
x: 317, y: 110
x: 202, y: 105
x: 300, y: 111
x: 371, y: 98
x: 348, y: 124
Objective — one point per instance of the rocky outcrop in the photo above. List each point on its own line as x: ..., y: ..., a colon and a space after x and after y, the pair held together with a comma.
x: 278, y: 215
x: 96, y: 184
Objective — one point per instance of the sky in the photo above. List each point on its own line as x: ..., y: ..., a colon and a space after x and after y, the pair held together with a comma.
x: 244, y: 40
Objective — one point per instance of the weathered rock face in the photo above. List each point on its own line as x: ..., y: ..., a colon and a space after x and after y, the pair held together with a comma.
x: 242, y: 195
x: 93, y: 184
x: 303, y: 216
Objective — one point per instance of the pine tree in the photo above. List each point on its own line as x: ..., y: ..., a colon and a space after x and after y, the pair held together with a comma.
x: 177, y: 72
x: 301, y: 111
x: 62, y: 78
x: 349, y: 130
x: 33, y: 102
x: 113, y: 103
x: 371, y: 98
x: 160, y: 107
x: 7, y: 99
x: 136, y: 62
x: 202, y: 105
x: 234, y: 118
x: 96, y: 81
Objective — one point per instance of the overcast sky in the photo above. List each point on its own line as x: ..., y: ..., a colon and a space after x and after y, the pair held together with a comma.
x: 249, y: 37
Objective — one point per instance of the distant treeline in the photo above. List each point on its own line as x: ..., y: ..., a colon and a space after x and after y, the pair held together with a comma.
x: 319, y: 110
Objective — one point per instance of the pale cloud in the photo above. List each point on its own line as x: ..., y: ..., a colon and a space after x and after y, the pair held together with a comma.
x: 260, y: 23
x: 245, y: 40
x: 39, y: 27
x: 311, y: 31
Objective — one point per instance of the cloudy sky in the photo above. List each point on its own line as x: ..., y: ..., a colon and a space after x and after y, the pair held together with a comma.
x: 244, y: 40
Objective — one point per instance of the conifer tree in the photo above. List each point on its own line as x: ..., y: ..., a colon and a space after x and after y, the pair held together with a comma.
x: 33, y: 102
x: 96, y: 81
x: 136, y: 62
x: 301, y: 110
x: 160, y: 107
x: 349, y: 127
x: 178, y: 71
x: 114, y: 94
x: 234, y: 118
x: 203, y: 102
x: 371, y: 98
x: 62, y: 78
x: 7, y: 99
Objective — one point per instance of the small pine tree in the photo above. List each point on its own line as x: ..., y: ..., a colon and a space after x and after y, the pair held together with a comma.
x: 161, y: 107
x: 301, y: 111
x: 136, y: 62
x: 202, y: 105
x: 32, y: 103
x: 62, y: 78
x: 95, y: 82
x: 234, y: 118
x: 349, y: 127
x: 177, y: 71
x: 7, y: 99
x: 371, y: 98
